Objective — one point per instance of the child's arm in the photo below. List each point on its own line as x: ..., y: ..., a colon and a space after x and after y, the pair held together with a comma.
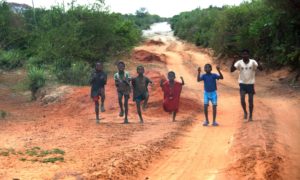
x: 220, y: 74
x: 259, y: 67
x: 182, y: 81
x: 105, y: 79
x: 92, y: 79
x: 161, y: 83
x: 233, y: 68
x: 199, y: 74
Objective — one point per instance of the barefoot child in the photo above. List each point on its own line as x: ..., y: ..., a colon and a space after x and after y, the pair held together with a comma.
x: 122, y: 82
x: 140, y: 90
x: 172, y: 90
x: 98, y: 82
x: 210, y: 91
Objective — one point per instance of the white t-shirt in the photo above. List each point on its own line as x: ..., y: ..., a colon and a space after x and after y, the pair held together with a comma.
x: 247, y: 71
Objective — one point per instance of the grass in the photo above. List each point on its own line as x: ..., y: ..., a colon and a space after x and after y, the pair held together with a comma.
x: 53, y: 159
x: 3, y: 114
x: 35, y: 154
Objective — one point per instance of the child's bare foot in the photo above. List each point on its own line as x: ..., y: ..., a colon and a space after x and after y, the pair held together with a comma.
x: 126, y: 121
x: 102, y: 109
x: 250, y: 118
x: 245, y: 115
x: 121, y: 113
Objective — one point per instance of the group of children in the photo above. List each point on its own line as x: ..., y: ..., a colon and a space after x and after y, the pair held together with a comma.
x: 171, y: 88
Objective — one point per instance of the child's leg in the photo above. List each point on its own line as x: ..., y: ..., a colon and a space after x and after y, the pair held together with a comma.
x: 243, y: 103
x: 96, y: 108
x: 250, y: 99
x: 146, y: 100
x: 126, y: 97
x: 102, y: 99
x: 138, y: 107
x: 120, y: 96
x: 174, y: 116
x: 214, y: 113
x: 206, y: 112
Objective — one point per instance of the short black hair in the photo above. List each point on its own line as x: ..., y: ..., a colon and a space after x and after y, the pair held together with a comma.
x: 208, y: 65
x: 246, y: 50
x: 140, y: 66
x: 121, y: 62
x: 171, y: 72
x: 99, y: 63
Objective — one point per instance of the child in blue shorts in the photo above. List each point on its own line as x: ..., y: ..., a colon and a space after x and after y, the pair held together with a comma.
x: 210, y: 91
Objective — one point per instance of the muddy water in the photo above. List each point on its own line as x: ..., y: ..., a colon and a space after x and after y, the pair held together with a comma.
x: 162, y: 28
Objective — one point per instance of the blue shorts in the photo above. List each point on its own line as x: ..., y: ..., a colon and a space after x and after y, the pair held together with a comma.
x: 210, y: 96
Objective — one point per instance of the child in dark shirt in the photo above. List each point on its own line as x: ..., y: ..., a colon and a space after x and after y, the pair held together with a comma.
x: 98, y: 82
x: 140, y: 90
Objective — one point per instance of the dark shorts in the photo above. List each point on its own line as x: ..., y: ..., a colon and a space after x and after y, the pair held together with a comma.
x: 247, y: 88
x: 121, y: 94
x: 97, y: 94
x: 141, y: 97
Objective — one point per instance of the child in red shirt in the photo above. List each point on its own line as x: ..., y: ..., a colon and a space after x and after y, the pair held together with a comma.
x: 172, y: 90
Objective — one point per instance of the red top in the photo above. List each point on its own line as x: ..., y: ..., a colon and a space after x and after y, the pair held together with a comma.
x: 171, y: 96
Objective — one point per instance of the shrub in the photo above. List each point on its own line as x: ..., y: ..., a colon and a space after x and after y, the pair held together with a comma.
x: 36, y: 79
x: 10, y: 59
x: 77, y: 73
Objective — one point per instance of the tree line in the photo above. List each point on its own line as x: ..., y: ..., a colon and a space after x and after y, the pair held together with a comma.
x: 270, y: 29
x: 65, y: 43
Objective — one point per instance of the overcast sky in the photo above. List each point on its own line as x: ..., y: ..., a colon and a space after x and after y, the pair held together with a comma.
x: 163, y: 8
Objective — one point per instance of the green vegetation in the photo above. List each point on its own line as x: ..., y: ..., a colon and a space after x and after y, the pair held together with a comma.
x: 269, y: 29
x: 35, y: 154
x: 37, y: 78
x: 65, y: 44
x: 3, y: 114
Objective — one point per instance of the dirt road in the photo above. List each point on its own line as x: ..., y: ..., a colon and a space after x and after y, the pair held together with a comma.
x: 235, y: 149
x: 267, y: 148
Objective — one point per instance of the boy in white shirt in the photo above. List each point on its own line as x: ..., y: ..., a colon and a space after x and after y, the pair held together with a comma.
x: 247, y: 68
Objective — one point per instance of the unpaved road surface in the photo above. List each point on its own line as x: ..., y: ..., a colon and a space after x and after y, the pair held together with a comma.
x: 267, y: 148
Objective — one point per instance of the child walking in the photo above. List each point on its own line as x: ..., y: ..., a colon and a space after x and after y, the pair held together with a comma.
x: 98, y: 82
x: 172, y: 90
x: 122, y: 82
x: 140, y: 90
x: 210, y: 91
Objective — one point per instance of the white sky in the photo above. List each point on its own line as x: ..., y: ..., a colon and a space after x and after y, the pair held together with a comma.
x: 163, y: 8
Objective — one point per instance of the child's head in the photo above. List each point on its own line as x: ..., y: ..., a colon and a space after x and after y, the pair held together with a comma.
x: 207, y: 68
x: 171, y: 75
x: 245, y: 54
x: 99, y: 66
x: 121, y: 66
x: 140, y: 70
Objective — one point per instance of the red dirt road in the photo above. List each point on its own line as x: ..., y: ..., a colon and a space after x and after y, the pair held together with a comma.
x: 267, y: 148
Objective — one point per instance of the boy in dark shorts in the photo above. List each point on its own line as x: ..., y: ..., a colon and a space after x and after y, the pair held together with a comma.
x: 210, y: 91
x: 122, y: 82
x: 247, y: 68
x: 172, y: 90
x: 140, y: 90
x: 98, y: 82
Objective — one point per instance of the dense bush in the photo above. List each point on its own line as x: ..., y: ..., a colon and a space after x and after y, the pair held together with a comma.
x: 77, y: 73
x: 270, y: 29
x: 11, y: 59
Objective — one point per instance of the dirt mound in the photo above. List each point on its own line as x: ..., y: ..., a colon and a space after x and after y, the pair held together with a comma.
x: 51, y: 95
x: 146, y: 56
x: 154, y: 43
